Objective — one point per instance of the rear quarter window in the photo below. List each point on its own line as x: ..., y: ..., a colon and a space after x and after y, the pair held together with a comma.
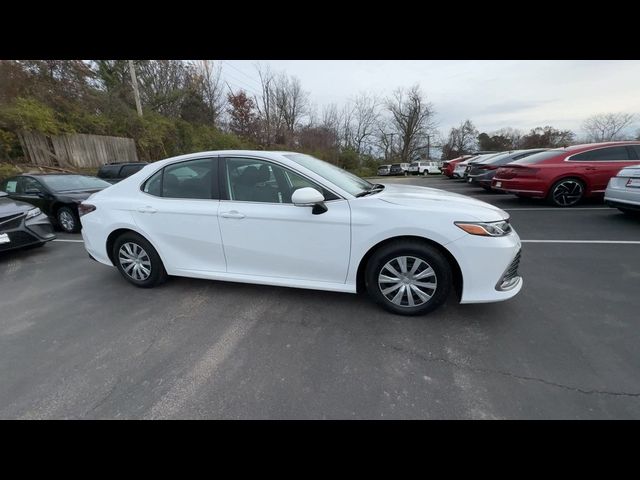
x: 539, y: 157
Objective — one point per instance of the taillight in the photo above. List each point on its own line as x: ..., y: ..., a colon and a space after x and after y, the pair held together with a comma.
x: 85, y: 208
x: 512, y: 172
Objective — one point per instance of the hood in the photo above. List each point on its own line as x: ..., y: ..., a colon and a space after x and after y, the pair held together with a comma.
x: 433, y: 198
x: 9, y: 206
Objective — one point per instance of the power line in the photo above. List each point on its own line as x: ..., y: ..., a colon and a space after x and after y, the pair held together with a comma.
x: 239, y: 82
x: 258, y: 84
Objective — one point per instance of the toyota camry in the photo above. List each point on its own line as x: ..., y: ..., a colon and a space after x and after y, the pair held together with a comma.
x: 289, y: 219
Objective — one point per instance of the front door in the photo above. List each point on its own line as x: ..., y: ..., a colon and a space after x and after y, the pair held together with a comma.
x: 264, y: 234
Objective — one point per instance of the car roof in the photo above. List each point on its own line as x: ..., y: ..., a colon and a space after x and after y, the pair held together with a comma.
x: 589, y: 146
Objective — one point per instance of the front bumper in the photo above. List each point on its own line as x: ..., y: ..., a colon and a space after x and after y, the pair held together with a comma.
x: 489, y: 267
x: 23, y: 233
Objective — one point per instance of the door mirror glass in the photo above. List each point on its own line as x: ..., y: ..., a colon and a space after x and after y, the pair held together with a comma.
x: 306, y: 196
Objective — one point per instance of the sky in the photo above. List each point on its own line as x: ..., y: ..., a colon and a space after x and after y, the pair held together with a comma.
x: 493, y: 94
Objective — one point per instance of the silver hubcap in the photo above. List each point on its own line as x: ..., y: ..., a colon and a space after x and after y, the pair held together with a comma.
x: 567, y: 193
x: 407, y: 281
x: 134, y: 261
x: 66, y: 220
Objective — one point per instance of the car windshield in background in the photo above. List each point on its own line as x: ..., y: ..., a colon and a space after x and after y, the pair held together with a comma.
x: 536, y: 157
x: 339, y: 177
x: 496, y: 158
x: 67, y: 183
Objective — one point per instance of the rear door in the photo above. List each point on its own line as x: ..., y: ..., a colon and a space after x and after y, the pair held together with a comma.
x: 178, y: 210
x: 599, y: 165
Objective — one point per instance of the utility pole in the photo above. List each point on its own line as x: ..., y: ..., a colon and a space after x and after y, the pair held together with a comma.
x: 428, y: 146
x: 134, y: 83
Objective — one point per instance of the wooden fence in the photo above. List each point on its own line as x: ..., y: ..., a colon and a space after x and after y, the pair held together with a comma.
x: 76, y: 150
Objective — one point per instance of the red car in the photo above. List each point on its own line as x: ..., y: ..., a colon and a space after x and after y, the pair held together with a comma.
x: 449, y: 165
x: 566, y: 175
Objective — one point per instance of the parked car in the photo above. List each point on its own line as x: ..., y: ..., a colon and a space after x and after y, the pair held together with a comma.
x: 460, y: 169
x: 292, y: 220
x: 384, y: 170
x: 424, y: 168
x: 22, y: 225
x: 623, y: 190
x: 564, y: 176
x: 482, y: 173
x: 114, y: 172
x: 449, y: 165
x: 57, y: 195
x: 399, y: 169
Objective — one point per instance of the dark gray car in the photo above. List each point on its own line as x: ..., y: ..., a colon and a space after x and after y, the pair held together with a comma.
x: 22, y: 225
x: 483, y: 172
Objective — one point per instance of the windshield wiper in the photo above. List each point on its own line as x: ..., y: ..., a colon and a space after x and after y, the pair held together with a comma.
x: 374, y: 189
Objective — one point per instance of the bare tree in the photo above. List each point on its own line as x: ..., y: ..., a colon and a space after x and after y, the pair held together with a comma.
x: 265, y: 104
x: 606, y: 127
x: 212, y: 88
x: 365, y: 118
x: 162, y: 85
x: 412, y: 118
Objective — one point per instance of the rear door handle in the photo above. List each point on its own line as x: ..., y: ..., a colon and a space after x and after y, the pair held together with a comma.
x: 232, y: 214
x: 147, y: 209
x: 591, y: 168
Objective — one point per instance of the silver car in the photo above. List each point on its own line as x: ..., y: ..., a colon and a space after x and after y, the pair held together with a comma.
x: 623, y: 190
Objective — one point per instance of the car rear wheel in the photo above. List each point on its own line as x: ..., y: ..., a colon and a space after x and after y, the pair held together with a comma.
x: 138, y: 261
x: 68, y: 220
x: 408, y: 277
x: 566, y: 192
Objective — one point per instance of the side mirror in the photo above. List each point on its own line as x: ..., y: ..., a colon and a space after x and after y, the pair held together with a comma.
x: 309, y: 197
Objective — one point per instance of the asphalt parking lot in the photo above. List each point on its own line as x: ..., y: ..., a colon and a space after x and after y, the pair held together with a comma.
x: 77, y: 341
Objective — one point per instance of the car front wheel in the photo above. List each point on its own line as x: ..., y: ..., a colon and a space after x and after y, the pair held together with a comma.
x: 408, y: 277
x: 138, y: 261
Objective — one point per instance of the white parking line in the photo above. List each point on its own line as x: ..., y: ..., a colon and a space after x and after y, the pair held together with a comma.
x: 624, y: 242
x: 552, y: 209
x: 67, y: 240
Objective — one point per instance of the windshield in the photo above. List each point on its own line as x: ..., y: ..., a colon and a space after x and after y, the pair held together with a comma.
x: 336, y: 175
x: 62, y: 183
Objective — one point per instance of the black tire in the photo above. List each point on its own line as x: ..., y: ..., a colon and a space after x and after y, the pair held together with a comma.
x: 574, y: 189
x: 419, y: 250
x: 68, y: 220
x: 157, y: 275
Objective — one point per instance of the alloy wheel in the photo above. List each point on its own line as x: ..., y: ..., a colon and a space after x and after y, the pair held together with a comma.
x: 67, y: 221
x: 135, y: 261
x: 567, y: 193
x: 407, y: 281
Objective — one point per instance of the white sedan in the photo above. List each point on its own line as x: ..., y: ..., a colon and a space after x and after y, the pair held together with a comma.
x: 288, y: 219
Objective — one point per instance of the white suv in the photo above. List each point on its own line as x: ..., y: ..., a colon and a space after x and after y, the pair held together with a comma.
x: 424, y: 168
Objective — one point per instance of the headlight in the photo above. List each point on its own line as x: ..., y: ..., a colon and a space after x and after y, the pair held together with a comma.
x: 486, y: 229
x: 34, y: 212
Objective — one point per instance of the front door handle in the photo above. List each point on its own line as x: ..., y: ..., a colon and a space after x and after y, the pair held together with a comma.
x: 232, y: 214
x: 147, y: 209
x: 591, y: 168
